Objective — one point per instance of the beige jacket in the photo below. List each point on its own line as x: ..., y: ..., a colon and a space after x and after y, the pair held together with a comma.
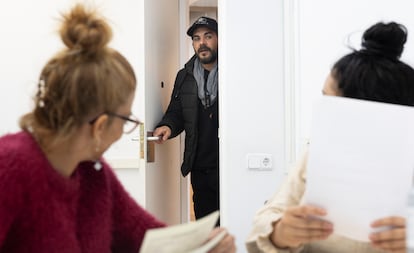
x: 290, y: 194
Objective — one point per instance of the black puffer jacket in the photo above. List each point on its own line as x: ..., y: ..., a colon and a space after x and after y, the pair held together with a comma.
x: 182, y: 113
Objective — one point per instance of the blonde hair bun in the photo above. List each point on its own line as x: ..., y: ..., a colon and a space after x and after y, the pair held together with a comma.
x: 85, y: 31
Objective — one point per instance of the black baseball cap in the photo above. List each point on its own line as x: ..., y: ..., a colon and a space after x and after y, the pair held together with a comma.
x: 202, y: 22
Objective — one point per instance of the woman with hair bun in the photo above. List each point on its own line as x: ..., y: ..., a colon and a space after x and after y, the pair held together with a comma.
x: 57, y: 194
x: 373, y: 73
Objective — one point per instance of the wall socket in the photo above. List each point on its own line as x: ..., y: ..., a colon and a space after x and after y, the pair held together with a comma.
x: 259, y: 161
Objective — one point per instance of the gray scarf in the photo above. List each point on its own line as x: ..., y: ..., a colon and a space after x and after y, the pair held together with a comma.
x: 208, y: 96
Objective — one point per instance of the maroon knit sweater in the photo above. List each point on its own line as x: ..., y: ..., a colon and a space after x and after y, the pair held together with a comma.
x: 42, y: 211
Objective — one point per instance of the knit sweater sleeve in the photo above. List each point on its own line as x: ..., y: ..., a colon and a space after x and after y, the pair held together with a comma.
x: 11, y: 193
x: 130, y: 221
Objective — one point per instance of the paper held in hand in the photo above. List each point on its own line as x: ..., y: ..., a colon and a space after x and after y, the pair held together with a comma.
x: 360, y: 163
x: 183, y: 238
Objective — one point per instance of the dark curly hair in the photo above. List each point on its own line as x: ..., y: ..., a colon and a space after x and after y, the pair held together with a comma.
x: 375, y: 72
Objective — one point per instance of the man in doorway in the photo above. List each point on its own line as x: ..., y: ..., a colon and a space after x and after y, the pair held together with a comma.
x: 194, y: 109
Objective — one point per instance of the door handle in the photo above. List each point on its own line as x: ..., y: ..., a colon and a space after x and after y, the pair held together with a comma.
x: 151, y: 146
x: 153, y: 138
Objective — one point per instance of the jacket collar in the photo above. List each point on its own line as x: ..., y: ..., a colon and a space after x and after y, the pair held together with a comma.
x: 189, y: 66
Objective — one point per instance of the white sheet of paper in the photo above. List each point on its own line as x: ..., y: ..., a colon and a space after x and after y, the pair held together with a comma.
x: 210, y: 244
x: 182, y: 238
x: 360, y: 164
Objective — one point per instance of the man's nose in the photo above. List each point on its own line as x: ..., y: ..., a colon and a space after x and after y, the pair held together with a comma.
x: 202, y: 41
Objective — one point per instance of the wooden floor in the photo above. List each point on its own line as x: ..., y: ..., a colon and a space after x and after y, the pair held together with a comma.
x: 192, y: 215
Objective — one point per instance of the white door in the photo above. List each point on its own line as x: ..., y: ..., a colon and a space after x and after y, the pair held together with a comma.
x: 151, y: 30
x: 162, y: 61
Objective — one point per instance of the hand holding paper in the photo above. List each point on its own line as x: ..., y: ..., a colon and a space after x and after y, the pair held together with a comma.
x: 360, y: 164
x: 298, y: 226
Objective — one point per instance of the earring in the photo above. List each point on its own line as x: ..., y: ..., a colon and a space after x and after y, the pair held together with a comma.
x: 97, y: 165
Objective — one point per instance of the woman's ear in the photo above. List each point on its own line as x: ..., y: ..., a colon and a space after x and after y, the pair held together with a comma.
x: 99, y: 126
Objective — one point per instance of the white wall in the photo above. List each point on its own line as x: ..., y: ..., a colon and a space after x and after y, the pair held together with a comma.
x: 30, y: 38
x: 251, y: 107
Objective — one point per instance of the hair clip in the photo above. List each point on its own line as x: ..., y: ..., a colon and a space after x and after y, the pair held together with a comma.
x: 42, y: 91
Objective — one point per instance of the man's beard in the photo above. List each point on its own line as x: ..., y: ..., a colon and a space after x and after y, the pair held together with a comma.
x: 209, y: 59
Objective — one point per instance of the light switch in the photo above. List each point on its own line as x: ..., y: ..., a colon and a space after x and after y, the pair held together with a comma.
x: 253, y: 162
x: 260, y: 161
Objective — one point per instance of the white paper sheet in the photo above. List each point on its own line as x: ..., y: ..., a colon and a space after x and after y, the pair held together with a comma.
x: 360, y: 164
x: 183, y: 238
